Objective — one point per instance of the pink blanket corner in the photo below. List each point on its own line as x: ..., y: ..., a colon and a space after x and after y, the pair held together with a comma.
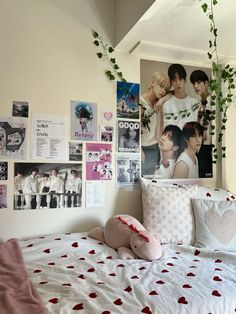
x: 17, y: 293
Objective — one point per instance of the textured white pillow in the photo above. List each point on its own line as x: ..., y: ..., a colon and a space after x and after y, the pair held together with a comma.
x: 215, y: 194
x: 215, y: 224
x: 167, y: 211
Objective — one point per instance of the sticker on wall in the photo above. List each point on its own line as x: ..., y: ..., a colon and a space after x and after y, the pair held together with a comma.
x: 47, y: 185
x: 75, y: 151
x: 127, y: 100
x: 127, y: 169
x: 83, y: 121
x: 3, y: 196
x: 98, y: 161
x: 13, y: 137
x: 3, y: 170
x: 128, y: 136
x: 20, y: 109
x: 106, y: 133
x: 106, y: 116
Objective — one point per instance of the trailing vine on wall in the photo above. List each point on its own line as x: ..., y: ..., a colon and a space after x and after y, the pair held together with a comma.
x: 222, y: 83
x: 105, y: 53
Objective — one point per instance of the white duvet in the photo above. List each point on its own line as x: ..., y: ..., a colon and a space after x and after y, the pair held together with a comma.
x: 76, y: 274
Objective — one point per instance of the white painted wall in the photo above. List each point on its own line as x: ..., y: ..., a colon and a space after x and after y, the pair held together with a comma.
x: 48, y: 58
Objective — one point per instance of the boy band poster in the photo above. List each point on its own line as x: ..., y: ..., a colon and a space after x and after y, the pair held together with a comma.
x: 176, y: 134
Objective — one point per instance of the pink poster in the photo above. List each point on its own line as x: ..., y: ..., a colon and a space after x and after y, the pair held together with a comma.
x: 98, y: 161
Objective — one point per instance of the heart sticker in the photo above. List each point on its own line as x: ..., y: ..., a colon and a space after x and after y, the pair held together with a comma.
x: 108, y: 115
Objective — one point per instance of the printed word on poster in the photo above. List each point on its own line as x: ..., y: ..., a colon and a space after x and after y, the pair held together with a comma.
x: 127, y: 169
x: 47, y: 185
x: 128, y: 136
x: 95, y: 194
x: 13, y: 138
x: 49, y: 137
x: 83, y: 121
x: 98, y: 161
x: 3, y: 196
x: 127, y: 95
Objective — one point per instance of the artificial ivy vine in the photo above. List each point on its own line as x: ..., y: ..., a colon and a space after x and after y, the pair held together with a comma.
x: 222, y: 83
x: 104, y: 53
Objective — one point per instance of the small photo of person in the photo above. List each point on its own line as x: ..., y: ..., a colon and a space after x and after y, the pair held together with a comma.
x: 20, y: 109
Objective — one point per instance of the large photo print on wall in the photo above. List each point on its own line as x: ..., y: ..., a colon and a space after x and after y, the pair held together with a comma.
x: 47, y: 185
x: 175, y: 121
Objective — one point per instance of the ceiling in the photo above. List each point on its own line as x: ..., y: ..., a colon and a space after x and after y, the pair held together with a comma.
x: 179, y: 30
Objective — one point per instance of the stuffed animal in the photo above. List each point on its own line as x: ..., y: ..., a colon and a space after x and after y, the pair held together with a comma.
x: 129, y: 237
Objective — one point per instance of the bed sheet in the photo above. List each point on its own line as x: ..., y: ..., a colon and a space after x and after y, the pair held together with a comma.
x: 76, y: 274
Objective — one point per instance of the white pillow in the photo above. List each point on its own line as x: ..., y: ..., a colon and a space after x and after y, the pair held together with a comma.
x: 215, y: 224
x: 215, y: 194
x: 167, y: 211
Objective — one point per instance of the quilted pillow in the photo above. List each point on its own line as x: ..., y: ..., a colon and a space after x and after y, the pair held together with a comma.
x: 215, y: 194
x: 167, y: 211
x: 215, y: 224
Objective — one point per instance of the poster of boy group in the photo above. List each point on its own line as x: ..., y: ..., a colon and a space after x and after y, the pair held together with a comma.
x: 98, y: 161
x: 176, y: 134
x: 83, y: 121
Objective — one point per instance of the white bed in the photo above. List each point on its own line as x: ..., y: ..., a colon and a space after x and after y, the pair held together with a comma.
x: 74, y: 273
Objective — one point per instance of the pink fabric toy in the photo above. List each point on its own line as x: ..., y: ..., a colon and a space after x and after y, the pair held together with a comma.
x: 129, y: 237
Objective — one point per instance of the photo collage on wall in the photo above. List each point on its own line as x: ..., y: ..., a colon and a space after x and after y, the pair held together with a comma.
x: 176, y: 109
x: 128, y: 134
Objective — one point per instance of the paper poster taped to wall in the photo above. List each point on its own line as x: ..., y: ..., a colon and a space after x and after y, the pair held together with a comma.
x: 20, y: 109
x: 75, y: 151
x: 127, y: 169
x: 176, y: 109
x: 83, y: 121
x: 49, y: 137
x: 47, y: 185
x: 127, y: 99
x: 128, y: 136
x: 98, y: 161
x: 3, y: 196
x: 106, y: 133
x: 3, y: 170
x: 13, y: 138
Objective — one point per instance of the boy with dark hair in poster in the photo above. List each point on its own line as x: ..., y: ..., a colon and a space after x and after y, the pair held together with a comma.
x: 170, y: 146
x: 179, y: 109
x: 187, y: 164
x: 200, y: 82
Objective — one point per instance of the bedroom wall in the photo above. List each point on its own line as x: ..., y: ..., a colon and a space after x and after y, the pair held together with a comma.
x: 48, y: 59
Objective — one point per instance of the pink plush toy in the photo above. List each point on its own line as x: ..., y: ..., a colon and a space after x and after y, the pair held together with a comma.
x: 129, y: 237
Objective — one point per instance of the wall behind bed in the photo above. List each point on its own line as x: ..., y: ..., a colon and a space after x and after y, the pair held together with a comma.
x: 48, y: 59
